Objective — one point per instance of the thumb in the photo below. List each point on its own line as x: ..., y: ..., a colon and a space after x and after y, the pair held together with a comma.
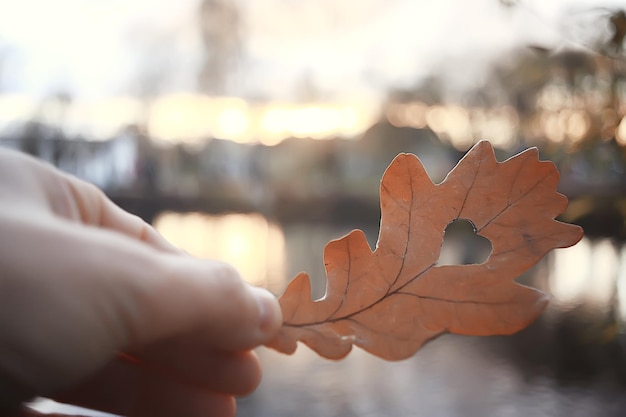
x: 205, y: 298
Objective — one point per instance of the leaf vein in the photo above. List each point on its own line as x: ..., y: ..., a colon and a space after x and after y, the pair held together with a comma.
x: 511, y: 204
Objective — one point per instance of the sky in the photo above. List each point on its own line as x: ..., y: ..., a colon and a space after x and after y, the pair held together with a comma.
x: 343, y: 48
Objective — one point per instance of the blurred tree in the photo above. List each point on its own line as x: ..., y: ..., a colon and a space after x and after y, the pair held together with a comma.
x: 307, y: 90
x: 54, y: 107
x: 154, y: 69
x: 570, y: 100
x: 54, y: 110
x: 580, y: 86
x: 429, y: 90
x: 221, y: 30
x: 508, y: 3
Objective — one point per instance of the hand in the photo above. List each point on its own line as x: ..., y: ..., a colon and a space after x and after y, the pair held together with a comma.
x: 98, y: 310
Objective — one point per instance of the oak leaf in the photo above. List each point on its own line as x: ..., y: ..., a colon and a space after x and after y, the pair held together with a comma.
x: 392, y: 300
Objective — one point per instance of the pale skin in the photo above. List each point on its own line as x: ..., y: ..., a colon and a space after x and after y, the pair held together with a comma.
x: 98, y: 310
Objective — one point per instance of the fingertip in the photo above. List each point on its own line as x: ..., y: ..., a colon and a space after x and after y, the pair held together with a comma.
x: 243, y: 316
x: 270, y: 314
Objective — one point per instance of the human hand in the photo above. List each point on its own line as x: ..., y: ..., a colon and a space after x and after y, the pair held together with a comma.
x: 82, y: 281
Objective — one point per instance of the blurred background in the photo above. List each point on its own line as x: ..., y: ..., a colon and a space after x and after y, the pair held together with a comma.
x: 256, y: 131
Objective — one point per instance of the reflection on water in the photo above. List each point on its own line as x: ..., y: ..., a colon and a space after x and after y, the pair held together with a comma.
x: 253, y: 245
x: 450, y: 377
x: 264, y: 253
x: 590, y: 273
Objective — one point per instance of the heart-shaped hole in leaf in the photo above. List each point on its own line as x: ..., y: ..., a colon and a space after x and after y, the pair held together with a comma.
x: 462, y: 246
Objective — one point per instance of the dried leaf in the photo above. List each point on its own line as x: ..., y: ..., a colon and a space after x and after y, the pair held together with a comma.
x: 394, y: 299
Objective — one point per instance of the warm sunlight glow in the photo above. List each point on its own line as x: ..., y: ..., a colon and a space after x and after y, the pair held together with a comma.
x: 317, y: 121
x: 253, y: 245
x: 604, y: 264
x: 415, y: 114
x: 621, y: 283
x: 462, y: 127
x: 564, y: 125
x: 191, y: 118
x: 233, y: 122
x: 570, y: 272
x: 181, y: 117
x: 500, y: 126
x: 587, y: 273
x: 577, y: 125
x: 620, y: 133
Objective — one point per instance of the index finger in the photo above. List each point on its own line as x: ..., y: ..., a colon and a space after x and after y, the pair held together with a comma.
x: 93, y: 207
x: 46, y: 187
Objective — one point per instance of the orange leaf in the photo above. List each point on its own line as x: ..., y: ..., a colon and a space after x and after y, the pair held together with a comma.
x: 394, y: 299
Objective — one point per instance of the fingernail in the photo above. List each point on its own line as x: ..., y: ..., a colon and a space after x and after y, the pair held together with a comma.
x: 270, y: 315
